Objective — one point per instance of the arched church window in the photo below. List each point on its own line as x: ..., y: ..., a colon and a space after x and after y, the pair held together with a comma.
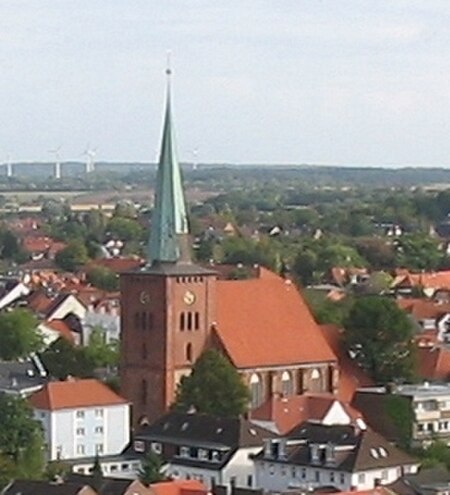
x: 256, y: 390
x: 286, y: 384
x: 137, y: 320
x: 189, y: 352
x: 315, y: 384
x: 189, y: 321
x: 144, y: 320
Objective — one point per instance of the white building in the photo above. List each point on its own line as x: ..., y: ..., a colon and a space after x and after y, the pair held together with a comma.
x: 343, y: 456
x: 81, y: 418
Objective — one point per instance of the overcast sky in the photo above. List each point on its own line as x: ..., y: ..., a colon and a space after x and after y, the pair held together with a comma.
x: 363, y: 82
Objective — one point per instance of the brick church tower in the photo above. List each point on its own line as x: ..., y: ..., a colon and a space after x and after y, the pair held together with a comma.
x: 168, y: 307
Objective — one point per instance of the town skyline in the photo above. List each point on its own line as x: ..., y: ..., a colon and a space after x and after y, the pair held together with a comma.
x: 354, y: 83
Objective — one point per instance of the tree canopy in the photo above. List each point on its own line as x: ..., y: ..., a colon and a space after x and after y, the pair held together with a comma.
x: 72, y: 256
x: 214, y: 387
x: 150, y: 472
x: 19, y: 335
x: 378, y: 333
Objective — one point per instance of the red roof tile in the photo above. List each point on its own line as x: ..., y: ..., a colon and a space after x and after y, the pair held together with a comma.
x: 179, y: 487
x: 71, y: 394
x: 433, y: 363
x: 62, y: 328
x: 266, y: 322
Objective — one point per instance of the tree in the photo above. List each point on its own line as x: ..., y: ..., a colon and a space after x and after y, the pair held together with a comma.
x: 125, y: 229
x: 20, y: 436
x: 305, y: 264
x: 62, y: 359
x: 19, y: 335
x: 97, y: 474
x: 72, y: 256
x: 150, y: 472
x: 214, y: 387
x: 379, y: 335
x: 101, y: 353
x: 103, y: 278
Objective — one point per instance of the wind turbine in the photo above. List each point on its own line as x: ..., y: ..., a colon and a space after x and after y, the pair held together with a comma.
x: 90, y: 154
x: 57, y: 154
x: 9, y: 166
x: 194, y: 158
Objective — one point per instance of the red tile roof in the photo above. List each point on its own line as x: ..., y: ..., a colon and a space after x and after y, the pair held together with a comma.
x: 71, y: 394
x: 433, y: 363
x: 288, y: 412
x: 431, y: 280
x: 422, y: 309
x: 117, y: 264
x: 179, y: 487
x: 62, y: 328
x: 351, y: 375
x: 266, y: 322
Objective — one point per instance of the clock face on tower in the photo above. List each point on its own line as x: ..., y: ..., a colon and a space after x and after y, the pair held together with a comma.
x: 189, y: 297
x: 144, y: 297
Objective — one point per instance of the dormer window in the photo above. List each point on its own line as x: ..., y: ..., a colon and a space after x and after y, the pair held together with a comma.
x: 215, y: 456
x: 330, y: 454
x: 139, y: 446
x: 315, y: 453
x: 203, y: 454
x: 185, y: 452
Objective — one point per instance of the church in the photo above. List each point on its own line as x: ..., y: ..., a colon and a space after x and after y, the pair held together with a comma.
x: 173, y: 309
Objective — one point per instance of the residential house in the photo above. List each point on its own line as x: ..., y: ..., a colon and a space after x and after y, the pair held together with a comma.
x: 22, y: 377
x: 428, y: 481
x: 81, y: 418
x: 345, y: 457
x: 213, y: 450
x: 428, y: 406
x: 29, y: 487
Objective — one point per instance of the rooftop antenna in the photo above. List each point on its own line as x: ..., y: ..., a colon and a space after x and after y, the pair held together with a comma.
x: 57, y: 154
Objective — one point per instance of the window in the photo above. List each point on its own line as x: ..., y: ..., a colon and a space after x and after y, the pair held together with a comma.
x: 332, y: 477
x: 125, y: 467
x: 99, y: 413
x: 99, y: 448
x: 317, y: 476
x: 189, y: 352
x: 303, y: 473
x: 203, y: 454
x: 80, y: 414
x: 137, y: 321
x: 361, y: 478
x: 80, y: 432
x: 99, y: 429
x: 80, y: 449
x: 182, y: 321
x: 114, y: 468
x: 384, y: 474
x: 59, y: 451
x: 144, y: 320
x: 185, y: 452
x: 156, y: 447
x: 189, y: 320
x: 430, y: 426
x: 293, y: 472
x: 139, y: 446
x: 420, y: 427
x: 144, y: 350
x: 342, y: 478
x: 215, y: 456
x: 286, y: 384
x: 249, y: 480
x: 256, y: 390
x: 196, y: 320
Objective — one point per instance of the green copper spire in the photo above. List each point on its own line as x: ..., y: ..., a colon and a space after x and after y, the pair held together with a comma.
x: 169, y: 229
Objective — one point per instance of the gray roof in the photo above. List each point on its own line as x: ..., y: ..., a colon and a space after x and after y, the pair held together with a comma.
x: 21, y: 376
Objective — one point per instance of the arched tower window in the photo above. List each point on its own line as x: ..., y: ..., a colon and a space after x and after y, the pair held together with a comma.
x: 189, y: 352
x: 182, y: 320
x: 197, y: 320
x: 144, y: 320
x: 189, y: 321
x: 256, y: 390
x: 286, y: 384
